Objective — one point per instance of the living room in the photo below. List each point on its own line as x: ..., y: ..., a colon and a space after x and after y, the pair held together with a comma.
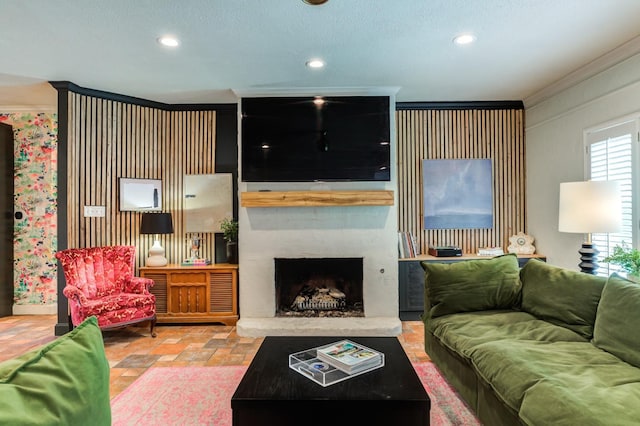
x: 600, y: 89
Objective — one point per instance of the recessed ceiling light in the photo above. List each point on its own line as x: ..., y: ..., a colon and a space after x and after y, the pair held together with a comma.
x: 464, y: 39
x: 315, y: 63
x: 168, y: 41
x: 315, y: 2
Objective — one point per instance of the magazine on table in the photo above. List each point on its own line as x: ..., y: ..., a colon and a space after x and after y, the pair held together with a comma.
x: 349, y: 356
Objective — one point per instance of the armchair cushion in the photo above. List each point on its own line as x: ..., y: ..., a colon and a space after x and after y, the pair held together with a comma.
x: 65, y: 382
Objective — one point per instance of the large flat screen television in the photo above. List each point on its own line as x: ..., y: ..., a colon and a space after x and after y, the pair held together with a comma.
x: 306, y: 139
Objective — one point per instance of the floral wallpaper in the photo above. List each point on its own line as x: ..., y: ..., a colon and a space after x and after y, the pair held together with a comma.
x: 35, y: 193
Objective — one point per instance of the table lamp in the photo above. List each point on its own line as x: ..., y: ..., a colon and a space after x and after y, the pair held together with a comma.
x: 156, y: 223
x: 590, y: 207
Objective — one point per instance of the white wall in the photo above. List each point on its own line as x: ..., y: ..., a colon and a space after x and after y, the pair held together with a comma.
x: 555, y: 152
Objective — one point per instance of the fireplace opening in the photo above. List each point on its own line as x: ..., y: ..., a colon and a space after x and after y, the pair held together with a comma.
x: 319, y: 287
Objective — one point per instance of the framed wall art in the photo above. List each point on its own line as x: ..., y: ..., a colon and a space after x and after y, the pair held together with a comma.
x: 140, y: 194
x: 208, y: 200
x: 457, y: 194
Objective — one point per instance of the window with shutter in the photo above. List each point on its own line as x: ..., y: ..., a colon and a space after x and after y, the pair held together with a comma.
x: 611, y: 155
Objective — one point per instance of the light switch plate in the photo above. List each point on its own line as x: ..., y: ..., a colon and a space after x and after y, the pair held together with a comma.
x: 94, y: 211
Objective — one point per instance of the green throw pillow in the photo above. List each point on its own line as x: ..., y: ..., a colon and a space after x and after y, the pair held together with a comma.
x: 618, y: 320
x: 65, y: 382
x: 561, y: 296
x: 472, y: 285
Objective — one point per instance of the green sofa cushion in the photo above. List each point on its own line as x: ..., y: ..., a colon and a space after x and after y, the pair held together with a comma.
x: 515, y: 367
x: 586, y: 395
x: 462, y: 333
x: 618, y: 320
x: 561, y: 296
x: 472, y: 285
x: 65, y: 382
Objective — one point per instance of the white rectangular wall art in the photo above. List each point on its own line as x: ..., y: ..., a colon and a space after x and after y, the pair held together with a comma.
x: 207, y: 200
x: 140, y: 194
x: 457, y: 194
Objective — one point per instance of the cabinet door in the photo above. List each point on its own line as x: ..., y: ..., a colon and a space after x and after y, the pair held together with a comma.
x: 6, y: 220
x: 159, y: 289
x: 223, y: 292
x: 189, y: 292
x: 411, y: 290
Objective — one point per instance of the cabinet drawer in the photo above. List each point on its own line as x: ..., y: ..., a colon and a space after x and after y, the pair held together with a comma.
x: 188, y: 278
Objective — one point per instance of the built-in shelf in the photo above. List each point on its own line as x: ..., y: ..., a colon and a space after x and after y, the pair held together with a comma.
x: 315, y: 198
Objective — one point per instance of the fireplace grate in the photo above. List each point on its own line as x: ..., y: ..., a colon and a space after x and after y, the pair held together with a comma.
x: 321, y: 305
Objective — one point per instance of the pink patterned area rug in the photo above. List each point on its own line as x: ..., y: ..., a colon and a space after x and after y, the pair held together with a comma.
x: 202, y: 396
x: 447, y: 408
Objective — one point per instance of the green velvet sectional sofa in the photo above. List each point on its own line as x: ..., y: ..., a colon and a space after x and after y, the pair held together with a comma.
x: 541, y: 345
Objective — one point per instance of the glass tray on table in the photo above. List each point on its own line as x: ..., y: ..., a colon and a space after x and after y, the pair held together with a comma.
x: 309, y: 365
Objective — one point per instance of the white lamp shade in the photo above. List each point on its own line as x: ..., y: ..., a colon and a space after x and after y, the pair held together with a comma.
x: 590, y: 207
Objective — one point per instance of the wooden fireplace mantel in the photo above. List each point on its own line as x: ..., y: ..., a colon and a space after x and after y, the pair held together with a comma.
x: 315, y: 198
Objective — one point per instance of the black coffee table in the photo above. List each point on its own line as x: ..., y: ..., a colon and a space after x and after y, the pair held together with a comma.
x: 271, y: 393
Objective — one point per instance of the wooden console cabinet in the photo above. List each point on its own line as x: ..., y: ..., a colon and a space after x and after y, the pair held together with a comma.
x: 189, y: 294
x: 411, y: 280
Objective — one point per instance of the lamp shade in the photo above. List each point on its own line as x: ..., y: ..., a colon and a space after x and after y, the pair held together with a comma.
x: 156, y: 223
x: 590, y: 207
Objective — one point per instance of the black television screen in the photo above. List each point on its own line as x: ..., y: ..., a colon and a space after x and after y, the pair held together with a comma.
x: 305, y: 139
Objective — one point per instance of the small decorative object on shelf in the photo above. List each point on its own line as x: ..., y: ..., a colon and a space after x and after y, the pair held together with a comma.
x: 195, y: 248
x: 195, y: 259
x: 521, y: 243
x: 445, y: 251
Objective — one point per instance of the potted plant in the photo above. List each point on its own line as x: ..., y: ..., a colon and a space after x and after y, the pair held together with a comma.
x: 230, y: 234
x: 628, y: 258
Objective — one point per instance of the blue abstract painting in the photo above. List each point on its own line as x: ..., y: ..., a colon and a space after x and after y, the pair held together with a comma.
x: 457, y: 194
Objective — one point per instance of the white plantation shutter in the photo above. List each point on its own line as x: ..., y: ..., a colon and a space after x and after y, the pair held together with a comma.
x: 611, y: 155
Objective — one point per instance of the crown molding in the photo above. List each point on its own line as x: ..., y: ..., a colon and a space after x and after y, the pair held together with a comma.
x: 316, y: 91
x: 8, y: 109
x: 67, y: 86
x: 459, y: 105
x: 600, y: 64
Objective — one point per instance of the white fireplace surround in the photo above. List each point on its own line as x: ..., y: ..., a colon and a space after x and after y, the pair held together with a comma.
x: 315, y: 232
x: 369, y: 232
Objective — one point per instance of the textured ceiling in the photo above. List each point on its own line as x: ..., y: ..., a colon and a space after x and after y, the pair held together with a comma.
x: 244, y: 46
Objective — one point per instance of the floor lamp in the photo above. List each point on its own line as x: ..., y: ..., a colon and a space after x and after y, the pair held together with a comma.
x: 156, y: 223
x: 588, y: 208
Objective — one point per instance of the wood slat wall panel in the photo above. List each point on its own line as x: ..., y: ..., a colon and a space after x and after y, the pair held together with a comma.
x: 455, y: 134
x: 109, y: 140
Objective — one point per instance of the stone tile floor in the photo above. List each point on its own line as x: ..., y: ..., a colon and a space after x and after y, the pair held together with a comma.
x: 131, y: 351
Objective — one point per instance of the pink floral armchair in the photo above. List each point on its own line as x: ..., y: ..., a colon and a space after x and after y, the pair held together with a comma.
x: 100, y: 283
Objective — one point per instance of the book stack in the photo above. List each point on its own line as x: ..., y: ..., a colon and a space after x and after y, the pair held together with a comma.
x: 490, y: 251
x: 407, y: 245
x: 349, y: 357
x: 196, y: 262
